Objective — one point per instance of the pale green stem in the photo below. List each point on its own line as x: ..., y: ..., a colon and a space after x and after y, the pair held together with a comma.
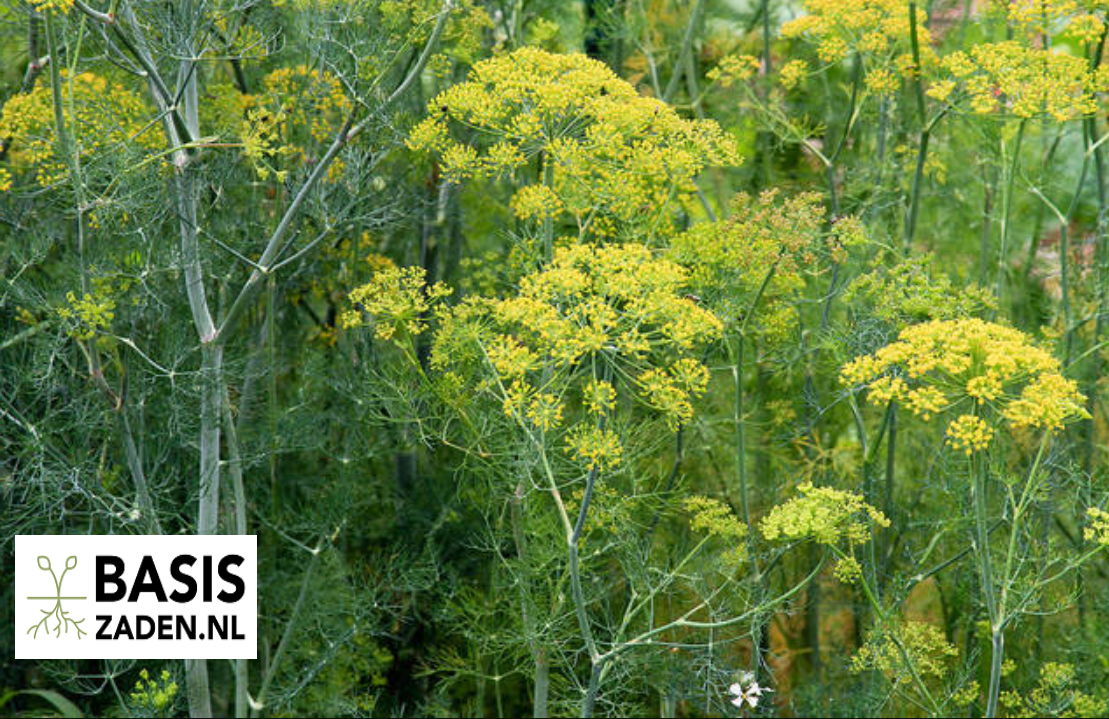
x: 1006, y: 207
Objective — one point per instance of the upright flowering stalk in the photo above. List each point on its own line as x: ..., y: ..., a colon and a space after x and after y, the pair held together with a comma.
x: 599, y: 337
x: 887, y: 43
x: 1026, y: 76
x: 881, y: 30
x: 749, y: 269
x: 990, y: 379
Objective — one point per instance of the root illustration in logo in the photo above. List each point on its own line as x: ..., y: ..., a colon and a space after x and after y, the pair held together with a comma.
x: 62, y: 620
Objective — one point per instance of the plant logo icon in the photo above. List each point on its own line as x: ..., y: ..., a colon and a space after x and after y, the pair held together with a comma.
x: 61, y: 617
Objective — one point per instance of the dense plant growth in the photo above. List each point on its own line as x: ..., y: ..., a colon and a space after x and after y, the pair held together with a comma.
x: 612, y: 357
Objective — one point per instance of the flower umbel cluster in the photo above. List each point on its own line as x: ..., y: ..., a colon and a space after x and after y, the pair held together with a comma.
x: 1024, y: 81
x: 925, y: 645
x: 398, y: 300
x: 1057, y: 693
x: 824, y: 515
x: 913, y: 291
x: 729, y: 260
x: 1076, y: 19
x: 594, y: 320
x: 296, y: 110
x: 991, y: 371
x: 606, y: 153
x: 1097, y: 530
x: 152, y: 697
x: 873, y: 27
x: 89, y: 313
x: 102, y: 115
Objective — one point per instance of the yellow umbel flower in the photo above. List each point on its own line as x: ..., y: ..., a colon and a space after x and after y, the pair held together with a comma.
x: 153, y: 696
x: 536, y: 202
x: 881, y: 81
x: 398, y: 299
x: 1057, y: 693
x: 296, y: 111
x: 664, y: 395
x: 732, y: 69
x: 90, y: 313
x: 592, y: 317
x: 969, y: 433
x: 729, y: 260
x: 1076, y: 19
x: 598, y: 449
x: 793, y: 73
x: 1097, y: 530
x: 545, y: 412
x: 599, y: 397
x: 106, y: 119
x: 822, y: 514
x: 1025, y: 81
x: 925, y: 644
x: 877, y: 28
x: 716, y: 519
x: 937, y: 365
x: 607, y: 153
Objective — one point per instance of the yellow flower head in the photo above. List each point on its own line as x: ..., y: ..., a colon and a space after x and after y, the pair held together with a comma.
x: 398, y: 299
x: 873, y: 27
x: 729, y: 260
x: 607, y: 152
x: 591, y: 314
x: 824, y: 515
x: 1097, y: 530
x: 599, y: 397
x: 1024, y: 81
x: 106, y: 117
x: 969, y: 433
x: 939, y: 364
x: 925, y: 644
x: 596, y: 448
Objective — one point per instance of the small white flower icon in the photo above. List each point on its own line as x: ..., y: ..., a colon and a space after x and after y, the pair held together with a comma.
x: 751, y: 694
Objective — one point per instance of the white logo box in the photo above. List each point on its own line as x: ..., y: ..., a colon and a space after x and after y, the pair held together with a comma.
x: 203, y: 627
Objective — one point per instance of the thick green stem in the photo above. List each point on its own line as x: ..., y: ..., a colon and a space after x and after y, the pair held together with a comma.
x: 1006, y: 207
x: 985, y: 573
x: 925, y: 133
x: 914, y: 197
x: 590, y: 701
x: 1101, y: 278
x: 542, y: 683
x: 575, y: 571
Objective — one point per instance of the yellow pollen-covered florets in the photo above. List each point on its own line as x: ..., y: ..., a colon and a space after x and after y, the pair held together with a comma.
x: 598, y: 449
x: 1097, y: 530
x: 969, y: 433
x: 606, y: 152
x: 823, y: 514
x: 1025, y: 81
x: 938, y: 364
x: 398, y: 299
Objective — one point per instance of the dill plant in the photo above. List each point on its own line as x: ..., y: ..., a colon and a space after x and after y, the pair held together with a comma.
x: 626, y: 358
